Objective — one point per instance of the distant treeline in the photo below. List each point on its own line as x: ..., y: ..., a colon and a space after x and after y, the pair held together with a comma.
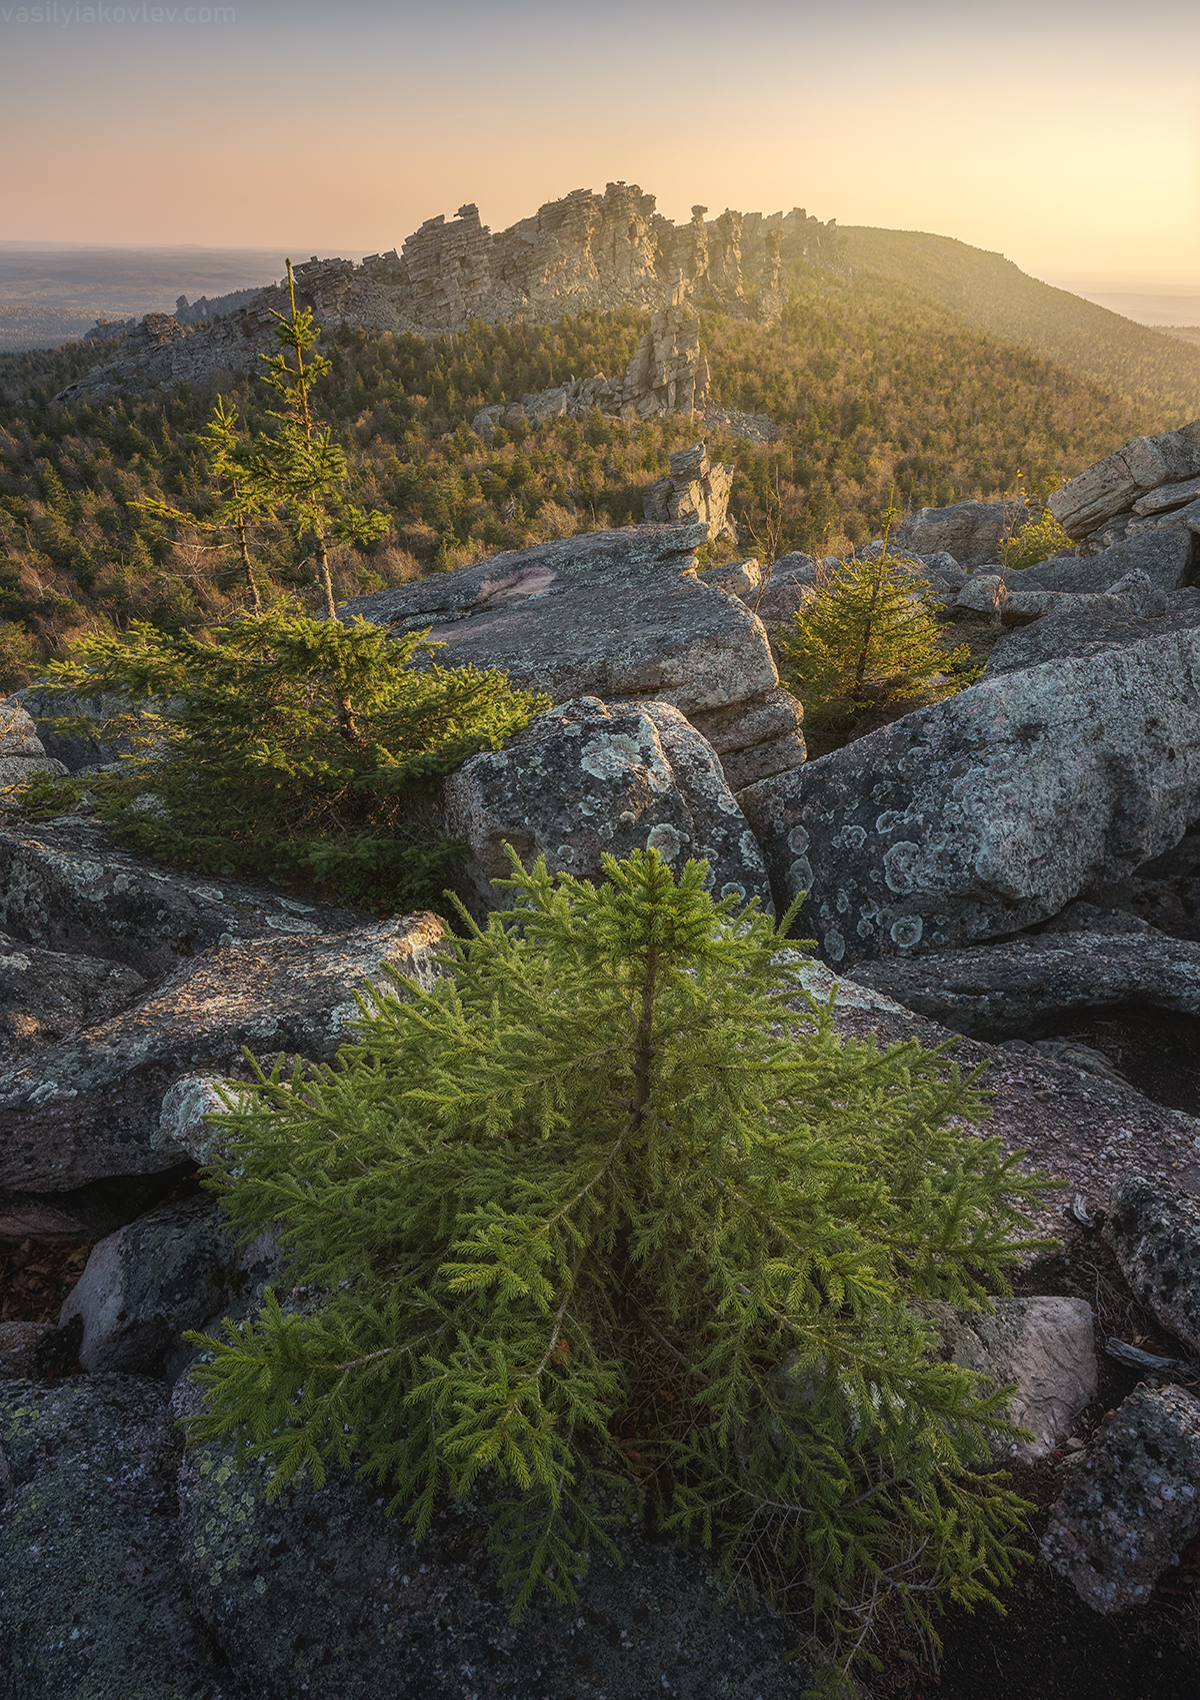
x: 873, y: 387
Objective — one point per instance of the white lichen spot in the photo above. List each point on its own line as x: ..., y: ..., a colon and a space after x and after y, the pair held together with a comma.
x: 667, y: 841
x: 731, y: 890
x: 906, y: 932
x: 887, y: 820
x: 835, y: 945
x: 850, y: 838
x: 900, y: 867
x: 800, y: 875
x: 797, y: 840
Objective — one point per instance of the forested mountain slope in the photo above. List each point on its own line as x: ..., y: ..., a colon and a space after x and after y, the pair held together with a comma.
x: 872, y: 388
x: 1147, y: 367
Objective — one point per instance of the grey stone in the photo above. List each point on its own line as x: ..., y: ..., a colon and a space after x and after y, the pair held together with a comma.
x: 47, y: 995
x: 587, y: 779
x: 320, y: 1588
x: 19, y: 1343
x: 1154, y: 1229
x: 1046, y: 1346
x: 91, y: 1107
x: 18, y: 733
x: 787, y: 585
x: 1014, y: 986
x: 92, y: 1601
x: 695, y: 493
x: 1081, y: 625
x: 1167, y: 557
x: 982, y: 593
x: 610, y: 614
x: 65, y: 887
x: 1129, y: 1510
x: 104, y: 736
x: 1182, y: 519
x: 736, y: 578
x: 971, y: 532
x: 169, y: 1270
x: 181, y: 1123
x: 1167, y: 497
x: 755, y: 739
x: 991, y: 811
x: 1115, y: 483
x: 15, y: 770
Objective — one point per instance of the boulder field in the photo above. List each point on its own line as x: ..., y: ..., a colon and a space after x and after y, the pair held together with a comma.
x: 980, y: 874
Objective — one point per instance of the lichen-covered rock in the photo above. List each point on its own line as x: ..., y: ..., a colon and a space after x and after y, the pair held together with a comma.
x: 1127, y: 1513
x: 972, y: 532
x: 47, y: 995
x: 18, y: 733
x: 91, y: 1107
x: 65, y: 887
x: 983, y: 814
x: 321, y: 1591
x: 92, y: 1602
x: 1113, y: 484
x: 169, y: 1270
x: 78, y: 731
x: 181, y: 1123
x: 1046, y: 1346
x: 1010, y: 988
x: 15, y: 770
x: 588, y: 779
x: 1154, y: 1228
x: 19, y: 1343
x: 609, y: 613
x: 1167, y: 557
x: 1073, y: 624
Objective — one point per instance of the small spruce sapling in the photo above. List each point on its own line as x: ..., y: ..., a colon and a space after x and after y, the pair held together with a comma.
x: 237, y: 508
x: 299, y: 470
x: 868, y: 639
x: 611, y: 1220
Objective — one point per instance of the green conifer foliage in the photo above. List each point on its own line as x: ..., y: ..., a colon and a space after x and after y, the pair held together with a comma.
x: 611, y: 1220
x: 293, y: 746
x: 867, y: 639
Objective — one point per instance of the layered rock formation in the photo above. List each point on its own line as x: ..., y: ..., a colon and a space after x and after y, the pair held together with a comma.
x: 583, y: 251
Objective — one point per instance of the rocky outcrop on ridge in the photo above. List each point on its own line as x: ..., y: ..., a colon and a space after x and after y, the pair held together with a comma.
x: 695, y: 492
x: 618, y: 615
x: 584, y: 251
x: 668, y: 374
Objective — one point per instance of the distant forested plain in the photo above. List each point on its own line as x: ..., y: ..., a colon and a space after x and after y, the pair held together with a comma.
x: 878, y: 391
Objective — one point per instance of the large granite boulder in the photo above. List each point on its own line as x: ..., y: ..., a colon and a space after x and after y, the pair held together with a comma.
x: 92, y: 1600
x: 1115, y: 483
x: 91, y: 1107
x: 1015, y: 986
x: 588, y: 779
x: 1154, y: 1228
x: 319, y: 1591
x: 972, y: 532
x: 1131, y: 1508
x: 609, y: 614
x: 984, y: 814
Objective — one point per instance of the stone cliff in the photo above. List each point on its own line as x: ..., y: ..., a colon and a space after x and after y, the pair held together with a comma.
x: 586, y: 251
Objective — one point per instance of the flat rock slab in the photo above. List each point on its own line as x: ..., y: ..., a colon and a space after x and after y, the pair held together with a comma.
x: 1009, y: 989
x: 609, y: 614
x: 1083, y: 626
x: 972, y: 532
x: 586, y: 780
x: 988, y: 813
x: 47, y: 995
x: 92, y: 1601
x: 91, y: 1107
x: 1154, y: 1228
x: 320, y: 1590
x: 1081, y: 1125
x: 1128, y: 1512
x: 65, y: 887
x: 1167, y: 557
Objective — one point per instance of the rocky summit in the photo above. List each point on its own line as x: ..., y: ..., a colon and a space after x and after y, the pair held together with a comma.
x: 981, y: 874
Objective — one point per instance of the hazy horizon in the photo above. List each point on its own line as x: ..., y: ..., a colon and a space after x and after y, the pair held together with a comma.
x: 1031, y: 131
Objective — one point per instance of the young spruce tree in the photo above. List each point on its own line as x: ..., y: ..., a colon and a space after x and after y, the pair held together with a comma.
x: 610, y: 1220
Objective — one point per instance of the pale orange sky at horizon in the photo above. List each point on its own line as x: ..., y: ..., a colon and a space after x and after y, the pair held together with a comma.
x: 1046, y: 134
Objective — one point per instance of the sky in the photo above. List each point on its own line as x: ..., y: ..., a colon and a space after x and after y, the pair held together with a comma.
x: 1065, y: 134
